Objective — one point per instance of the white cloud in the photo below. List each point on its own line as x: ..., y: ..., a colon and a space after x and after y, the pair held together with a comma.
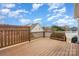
x: 57, y: 13
x: 66, y: 17
x: 67, y: 20
x: 53, y: 17
x: 13, y: 14
x: 17, y: 12
x: 35, y: 6
x: 38, y: 20
x: 62, y: 22
x: 24, y: 21
x: 48, y: 15
x: 21, y: 10
x: 8, y: 5
x: 61, y: 10
x: 4, y: 11
x: 55, y: 6
x: 7, y: 11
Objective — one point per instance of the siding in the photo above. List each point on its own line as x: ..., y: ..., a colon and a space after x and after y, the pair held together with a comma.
x: 37, y: 28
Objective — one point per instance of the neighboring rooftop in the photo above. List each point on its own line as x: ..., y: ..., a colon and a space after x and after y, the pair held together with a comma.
x: 33, y: 25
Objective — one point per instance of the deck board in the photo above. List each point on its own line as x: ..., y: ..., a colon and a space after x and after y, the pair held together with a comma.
x: 43, y: 47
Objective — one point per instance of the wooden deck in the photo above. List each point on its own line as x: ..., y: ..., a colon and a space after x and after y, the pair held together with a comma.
x: 42, y: 47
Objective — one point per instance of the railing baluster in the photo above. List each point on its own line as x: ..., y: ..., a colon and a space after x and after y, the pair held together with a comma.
x: 5, y: 38
x: 1, y: 32
x: 20, y: 36
x: 2, y: 39
x: 12, y: 35
x: 8, y: 37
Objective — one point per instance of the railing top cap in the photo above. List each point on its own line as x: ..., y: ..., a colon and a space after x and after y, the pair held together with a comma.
x: 17, y: 26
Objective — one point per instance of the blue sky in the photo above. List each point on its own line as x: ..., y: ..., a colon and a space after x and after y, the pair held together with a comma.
x: 47, y: 14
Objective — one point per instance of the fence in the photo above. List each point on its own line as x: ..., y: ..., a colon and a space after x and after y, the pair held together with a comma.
x: 35, y: 35
x: 57, y: 35
x: 10, y: 35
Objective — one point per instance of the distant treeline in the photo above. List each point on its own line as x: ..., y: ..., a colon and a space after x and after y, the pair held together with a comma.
x: 58, y: 28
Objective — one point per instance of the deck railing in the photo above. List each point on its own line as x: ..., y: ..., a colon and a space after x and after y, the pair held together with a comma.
x: 10, y: 35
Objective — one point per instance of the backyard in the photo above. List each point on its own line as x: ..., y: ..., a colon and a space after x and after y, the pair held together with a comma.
x: 35, y: 29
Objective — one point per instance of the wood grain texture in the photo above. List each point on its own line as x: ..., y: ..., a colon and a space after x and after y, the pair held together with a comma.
x: 43, y: 47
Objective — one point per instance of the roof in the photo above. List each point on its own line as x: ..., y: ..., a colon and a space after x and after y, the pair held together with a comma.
x: 33, y: 25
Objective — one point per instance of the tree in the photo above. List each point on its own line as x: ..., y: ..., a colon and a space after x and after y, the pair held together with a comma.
x: 57, y: 28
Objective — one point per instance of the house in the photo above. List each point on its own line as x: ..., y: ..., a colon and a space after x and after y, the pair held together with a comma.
x: 73, y: 29
x: 76, y: 15
x: 47, y: 29
x: 36, y: 31
x: 36, y: 28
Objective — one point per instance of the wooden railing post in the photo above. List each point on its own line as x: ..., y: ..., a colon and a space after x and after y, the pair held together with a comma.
x: 29, y: 34
x: 43, y: 34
